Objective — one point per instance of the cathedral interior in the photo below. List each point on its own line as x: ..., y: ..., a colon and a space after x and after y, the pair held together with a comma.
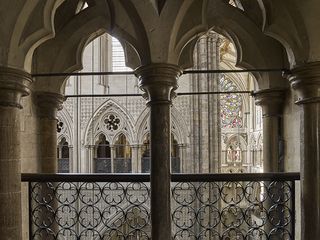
x: 159, y: 119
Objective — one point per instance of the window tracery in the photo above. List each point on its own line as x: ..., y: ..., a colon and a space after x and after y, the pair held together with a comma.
x: 230, y: 105
x: 63, y: 153
x: 112, y: 122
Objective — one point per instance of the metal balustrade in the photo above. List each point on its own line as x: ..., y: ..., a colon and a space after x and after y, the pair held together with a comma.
x: 203, y: 206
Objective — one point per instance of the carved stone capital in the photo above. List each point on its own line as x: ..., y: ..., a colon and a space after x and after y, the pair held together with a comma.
x: 48, y: 104
x: 14, y: 84
x: 158, y: 81
x: 305, y: 80
x: 271, y: 100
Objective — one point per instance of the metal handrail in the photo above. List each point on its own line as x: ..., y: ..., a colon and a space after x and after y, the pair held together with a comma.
x: 65, y: 74
x: 216, y: 177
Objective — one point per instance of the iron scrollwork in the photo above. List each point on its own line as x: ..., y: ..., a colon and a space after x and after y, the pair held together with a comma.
x: 235, y: 210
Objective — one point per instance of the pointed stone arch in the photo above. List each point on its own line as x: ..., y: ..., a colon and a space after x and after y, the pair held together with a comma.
x: 123, y: 123
x: 239, y: 138
x: 66, y: 131
x: 178, y: 126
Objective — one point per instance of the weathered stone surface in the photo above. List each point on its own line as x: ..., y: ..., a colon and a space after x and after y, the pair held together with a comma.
x: 159, y: 82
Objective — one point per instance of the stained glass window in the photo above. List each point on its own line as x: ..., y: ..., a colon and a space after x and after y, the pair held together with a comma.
x: 230, y: 105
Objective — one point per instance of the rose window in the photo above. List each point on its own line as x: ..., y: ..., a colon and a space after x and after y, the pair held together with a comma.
x: 112, y: 122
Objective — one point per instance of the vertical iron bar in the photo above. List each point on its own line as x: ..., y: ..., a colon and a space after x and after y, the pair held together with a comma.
x: 293, y: 209
x: 30, y: 209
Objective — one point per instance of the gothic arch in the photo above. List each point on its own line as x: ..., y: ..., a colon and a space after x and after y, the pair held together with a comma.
x: 66, y: 131
x: 254, y: 49
x: 68, y: 47
x: 30, y: 24
x: 122, y: 123
x: 142, y: 125
x: 239, y: 138
x: 179, y: 128
x: 125, y: 133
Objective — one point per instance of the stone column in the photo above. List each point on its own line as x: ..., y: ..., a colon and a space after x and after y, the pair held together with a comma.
x: 13, y: 85
x: 47, y: 106
x: 305, y: 80
x: 159, y: 82
x: 90, y: 158
x: 139, y: 156
x: 134, y: 158
x: 72, y: 165
x: 205, y: 133
x: 271, y: 101
x: 112, y: 157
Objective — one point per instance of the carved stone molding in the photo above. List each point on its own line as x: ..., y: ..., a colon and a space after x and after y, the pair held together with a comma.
x: 305, y: 80
x: 159, y: 81
x: 14, y: 84
x: 48, y: 104
x: 271, y: 100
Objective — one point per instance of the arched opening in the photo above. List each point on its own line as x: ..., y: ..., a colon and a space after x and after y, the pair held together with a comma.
x: 122, y: 158
x: 175, y: 155
x: 102, y: 161
x: 63, y: 153
x: 145, y: 159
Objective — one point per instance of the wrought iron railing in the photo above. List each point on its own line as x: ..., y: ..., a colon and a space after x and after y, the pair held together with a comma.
x: 237, y: 206
x: 205, y: 206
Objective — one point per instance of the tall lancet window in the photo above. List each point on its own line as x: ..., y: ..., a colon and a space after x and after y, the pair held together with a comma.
x: 102, y: 162
x: 122, y: 160
x: 63, y: 156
